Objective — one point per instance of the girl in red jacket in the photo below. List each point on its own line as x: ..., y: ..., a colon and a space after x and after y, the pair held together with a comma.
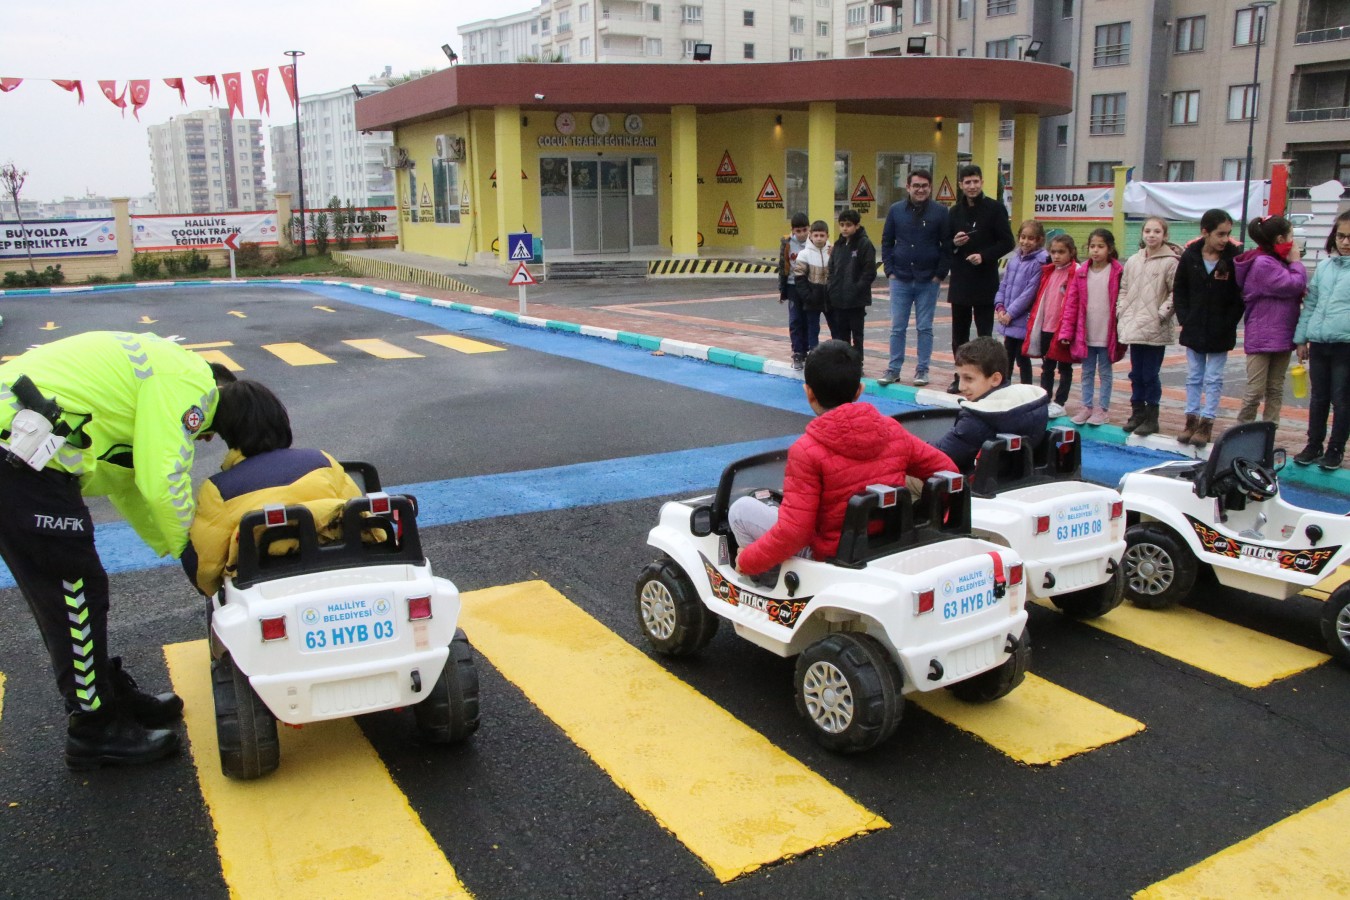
x: 1043, y: 323
x: 1088, y: 326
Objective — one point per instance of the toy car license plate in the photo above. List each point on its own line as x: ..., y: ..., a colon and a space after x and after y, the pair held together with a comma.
x: 1075, y: 521
x: 968, y: 594
x: 343, y: 624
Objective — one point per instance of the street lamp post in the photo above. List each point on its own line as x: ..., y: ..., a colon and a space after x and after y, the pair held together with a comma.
x: 299, y: 164
x: 1261, y: 8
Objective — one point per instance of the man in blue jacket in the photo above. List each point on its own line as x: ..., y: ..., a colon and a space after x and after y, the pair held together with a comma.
x: 916, y: 253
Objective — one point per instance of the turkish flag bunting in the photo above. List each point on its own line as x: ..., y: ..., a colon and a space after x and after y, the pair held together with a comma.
x: 234, y: 92
x: 109, y: 89
x: 177, y: 85
x: 71, y: 86
x: 9, y: 84
x: 140, y: 93
x: 260, y: 84
x: 288, y: 79
x: 209, y: 81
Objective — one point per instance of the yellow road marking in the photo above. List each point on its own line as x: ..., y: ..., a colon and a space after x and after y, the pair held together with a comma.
x: 326, y: 308
x: 1298, y: 857
x: 736, y: 801
x: 2, y: 694
x: 297, y: 354
x: 382, y: 349
x: 1322, y: 590
x: 330, y: 822
x: 208, y: 345
x: 1039, y: 723
x: 50, y: 326
x: 237, y: 314
x: 219, y: 357
x: 1230, y: 651
x: 146, y: 320
x: 463, y: 345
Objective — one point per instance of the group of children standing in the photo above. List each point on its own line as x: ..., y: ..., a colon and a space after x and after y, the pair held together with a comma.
x: 815, y: 278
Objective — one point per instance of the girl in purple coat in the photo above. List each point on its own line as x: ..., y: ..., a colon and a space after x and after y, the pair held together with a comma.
x: 1021, y: 278
x: 1273, y: 282
x: 1088, y: 325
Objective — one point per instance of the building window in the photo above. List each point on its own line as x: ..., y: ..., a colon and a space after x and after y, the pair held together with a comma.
x: 1102, y: 171
x: 1343, y: 168
x: 822, y: 29
x: 963, y: 9
x: 1181, y: 170
x: 1108, y: 114
x: 584, y: 47
x: 689, y: 48
x: 1246, y: 28
x: 445, y: 181
x: 1001, y: 8
x: 584, y: 12
x: 796, y: 54
x: 797, y: 24
x: 543, y: 25
x: 653, y: 46
x: 1242, y: 101
x: 1005, y: 129
x: 998, y: 49
x: 879, y: 14
x: 656, y: 12
x: 1061, y: 135
x: 923, y: 12
x: 749, y: 51
x: 693, y: 13
x: 822, y: 54
x: 748, y: 18
x: 856, y: 15
x: 1066, y: 9
x: 1234, y: 169
x: 1112, y: 46
x: 1190, y: 35
x: 1185, y: 108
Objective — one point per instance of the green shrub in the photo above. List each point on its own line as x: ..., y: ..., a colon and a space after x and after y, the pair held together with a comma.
x: 283, y: 255
x: 144, y: 266
x: 196, y: 262
x: 249, y: 255
x: 99, y: 279
x: 172, y: 263
x: 31, y: 279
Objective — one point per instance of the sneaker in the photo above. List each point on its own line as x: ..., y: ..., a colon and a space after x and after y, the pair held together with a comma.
x: 1100, y: 417
x: 921, y: 380
x: 889, y: 377
x: 1309, y: 455
x: 1081, y: 417
x: 1056, y: 410
x: 798, y: 361
x: 1332, y: 461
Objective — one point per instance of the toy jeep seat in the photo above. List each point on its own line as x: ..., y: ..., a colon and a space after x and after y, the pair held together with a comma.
x: 1254, y: 441
x: 1010, y: 462
x: 928, y: 424
x: 883, y: 520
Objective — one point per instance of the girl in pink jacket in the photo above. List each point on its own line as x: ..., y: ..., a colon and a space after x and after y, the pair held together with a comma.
x: 1088, y: 324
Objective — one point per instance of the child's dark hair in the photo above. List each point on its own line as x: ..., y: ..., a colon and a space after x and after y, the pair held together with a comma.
x: 833, y: 373
x: 1035, y: 227
x: 1335, y: 226
x: 849, y: 215
x: 1108, y: 239
x: 985, y: 353
x: 800, y: 220
x: 251, y: 419
x: 967, y: 171
x: 820, y: 225
x: 1068, y: 241
x: 1265, y: 230
x: 1213, y: 218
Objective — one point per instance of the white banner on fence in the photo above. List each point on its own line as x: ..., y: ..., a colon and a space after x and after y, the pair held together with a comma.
x: 1187, y: 201
x: 1094, y: 202
x: 206, y: 230
x: 58, y: 237
x: 374, y: 224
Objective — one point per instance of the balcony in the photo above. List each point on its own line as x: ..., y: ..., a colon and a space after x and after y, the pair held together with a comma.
x: 1322, y: 35
x: 1326, y: 114
x: 616, y: 23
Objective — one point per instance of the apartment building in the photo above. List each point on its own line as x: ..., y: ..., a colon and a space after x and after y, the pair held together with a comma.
x: 338, y: 160
x: 205, y: 161
x: 503, y: 40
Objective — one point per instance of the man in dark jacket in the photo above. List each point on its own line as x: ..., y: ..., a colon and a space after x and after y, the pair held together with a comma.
x: 981, y: 236
x: 916, y: 253
x: 990, y: 407
x: 853, y: 268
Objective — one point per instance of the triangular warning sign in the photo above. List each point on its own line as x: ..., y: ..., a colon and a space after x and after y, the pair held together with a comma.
x: 945, y: 193
x: 426, y: 196
x: 522, y: 276
x: 493, y: 176
x: 863, y: 192
x: 769, y: 193
x: 727, y: 219
x: 726, y: 168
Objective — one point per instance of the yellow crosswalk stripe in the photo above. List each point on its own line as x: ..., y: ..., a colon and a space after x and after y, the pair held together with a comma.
x: 1300, y: 857
x: 2, y: 695
x: 330, y: 822
x: 1230, y: 651
x: 208, y: 345
x: 297, y: 354
x: 735, y: 800
x: 382, y: 349
x: 463, y: 345
x: 1322, y: 590
x: 1039, y: 723
x: 218, y: 356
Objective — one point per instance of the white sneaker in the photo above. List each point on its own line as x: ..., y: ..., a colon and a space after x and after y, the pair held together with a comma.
x: 1056, y: 410
x: 1081, y: 417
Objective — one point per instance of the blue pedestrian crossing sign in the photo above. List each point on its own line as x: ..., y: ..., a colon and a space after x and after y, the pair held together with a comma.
x: 520, y: 246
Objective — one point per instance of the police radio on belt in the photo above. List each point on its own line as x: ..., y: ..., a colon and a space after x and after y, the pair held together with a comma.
x: 37, y: 431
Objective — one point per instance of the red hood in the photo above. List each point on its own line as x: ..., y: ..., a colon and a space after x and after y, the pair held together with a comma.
x: 853, y: 430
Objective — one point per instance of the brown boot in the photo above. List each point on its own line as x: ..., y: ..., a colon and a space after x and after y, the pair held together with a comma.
x: 1192, y: 420
x: 1150, y: 423
x: 1204, y: 433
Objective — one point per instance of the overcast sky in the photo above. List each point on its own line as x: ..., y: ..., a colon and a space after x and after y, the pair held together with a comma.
x: 71, y: 150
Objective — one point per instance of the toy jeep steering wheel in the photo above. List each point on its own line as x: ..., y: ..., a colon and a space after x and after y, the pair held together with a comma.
x: 1255, y: 479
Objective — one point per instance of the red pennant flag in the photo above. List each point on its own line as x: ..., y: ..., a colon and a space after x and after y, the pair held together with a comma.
x: 288, y: 79
x: 9, y: 84
x: 73, y: 85
x: 140, y: 93
x: 260, y: 84
x: 109, y: 89
x: 234, y: 92
x: 177, y: 85
x: 210, y: 81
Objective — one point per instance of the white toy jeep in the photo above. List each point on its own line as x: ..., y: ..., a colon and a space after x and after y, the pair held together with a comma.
x: 1226, y: 513
x: 1030, y: 496
x: 335, y: 630
x: 912, y: 602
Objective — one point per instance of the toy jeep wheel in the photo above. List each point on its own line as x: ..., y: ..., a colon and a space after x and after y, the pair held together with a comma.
x: 1159, y: 567
x: 1336, y: 624
x: 848, y: 689
x: 246, y: 730
x: 998, y: 682
x: 1093, y: 602
x: 450, y: 713
x: 670, y: 612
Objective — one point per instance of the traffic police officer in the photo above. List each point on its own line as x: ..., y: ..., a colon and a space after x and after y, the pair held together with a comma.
x: 74, y: 414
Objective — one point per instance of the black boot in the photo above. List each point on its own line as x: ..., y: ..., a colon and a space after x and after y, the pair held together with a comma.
x: 149, y: 710
x: 110, y: 737
x: 1149, y: 425
x: 1136, y: 417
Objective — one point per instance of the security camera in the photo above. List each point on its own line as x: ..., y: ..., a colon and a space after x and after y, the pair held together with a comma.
x: 539, y: 96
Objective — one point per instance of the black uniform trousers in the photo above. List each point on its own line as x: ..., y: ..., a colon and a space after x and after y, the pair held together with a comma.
x: 47, y: 540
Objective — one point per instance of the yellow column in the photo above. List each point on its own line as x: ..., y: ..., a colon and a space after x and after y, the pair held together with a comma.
x: 683, y: 181
x: 820, y: 161
x: 284, y: 213
x: 126, y: 250
x: 1026, y: 139
x: 510, y: 196
x: 1118, y: 204
x: 984, y: 145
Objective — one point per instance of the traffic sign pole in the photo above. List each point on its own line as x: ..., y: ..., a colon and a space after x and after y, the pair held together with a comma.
x: 522, y: 299
x: 522, y: 277
x: 232, y: 244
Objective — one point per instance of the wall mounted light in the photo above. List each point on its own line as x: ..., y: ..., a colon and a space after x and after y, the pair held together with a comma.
x: 778, y: 119
x: 937, y: 124
x: 1033, y: 50
x: 917, y: 46
x: 450, y: 54
x: 357, y: 91
x: 524, y: 121
x: 702, y: 52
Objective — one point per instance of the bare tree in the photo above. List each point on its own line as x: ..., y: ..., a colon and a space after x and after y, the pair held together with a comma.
x: 11, y: 181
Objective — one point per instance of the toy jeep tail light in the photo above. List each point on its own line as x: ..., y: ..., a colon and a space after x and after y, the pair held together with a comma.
x: 956, y: 482
x: 275, y: 515
x: 273, y: 628
x: 1013, y: 441
x: 923, y: 601
x: 419, y: 608
x: 886, y: 495
x: 1015, y: 574
x: 1064, y: 435
x: 1040, y: 525
x: 1117, y: 509
x: 379, y: 504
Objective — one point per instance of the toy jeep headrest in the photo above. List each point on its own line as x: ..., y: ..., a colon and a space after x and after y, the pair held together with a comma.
x: 1009, y: 461
x: 884, y: 519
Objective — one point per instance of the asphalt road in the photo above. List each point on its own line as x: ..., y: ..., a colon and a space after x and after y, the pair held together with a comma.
x: 522, y: 810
